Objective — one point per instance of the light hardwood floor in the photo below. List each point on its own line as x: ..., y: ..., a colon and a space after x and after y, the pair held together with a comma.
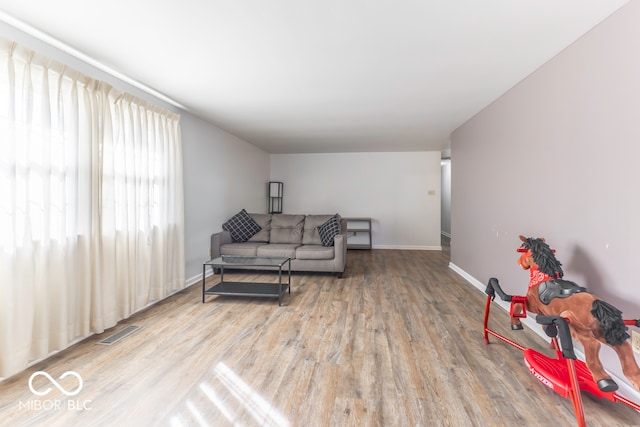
x: 396, y: 342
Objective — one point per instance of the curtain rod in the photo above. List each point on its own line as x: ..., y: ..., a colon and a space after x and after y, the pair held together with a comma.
x: 42, y: 36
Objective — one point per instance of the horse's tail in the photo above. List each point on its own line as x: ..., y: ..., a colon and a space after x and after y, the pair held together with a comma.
x: 610, y: 321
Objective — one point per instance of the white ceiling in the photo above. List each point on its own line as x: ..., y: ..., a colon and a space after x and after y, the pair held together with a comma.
x: 296, y: 76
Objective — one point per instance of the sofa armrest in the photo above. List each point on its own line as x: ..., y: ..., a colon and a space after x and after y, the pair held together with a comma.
x: 217, y: 240
x: 340, y: 249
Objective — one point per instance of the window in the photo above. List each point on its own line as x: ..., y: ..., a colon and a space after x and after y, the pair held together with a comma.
x: 91, y: 209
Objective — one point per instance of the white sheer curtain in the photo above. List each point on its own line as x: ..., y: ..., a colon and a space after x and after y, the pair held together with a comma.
x: 91, y: 206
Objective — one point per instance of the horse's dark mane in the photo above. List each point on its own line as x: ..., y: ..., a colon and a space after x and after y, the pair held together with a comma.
x: 544, y: 257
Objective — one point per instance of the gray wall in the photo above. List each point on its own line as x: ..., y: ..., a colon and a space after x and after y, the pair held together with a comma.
x: 557, y: 156
x: 445, y: 210
x: 222, y: 174
x: 391, y: 188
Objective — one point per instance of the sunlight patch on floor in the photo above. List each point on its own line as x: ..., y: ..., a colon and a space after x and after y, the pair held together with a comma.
x: 263, y: 412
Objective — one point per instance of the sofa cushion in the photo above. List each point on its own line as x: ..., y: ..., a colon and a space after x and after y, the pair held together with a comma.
x: 329, y: 230
x: 241, y: 249
x: 278, y: 250
x: 286, y: 228
x: 264, y: 221
x: 315, y: 252
x: 310, y: 234
x: 241, y: 226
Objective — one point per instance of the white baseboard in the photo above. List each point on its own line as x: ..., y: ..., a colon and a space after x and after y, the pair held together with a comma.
x: 625, y: 389
x: 408, y: 248
x: 198, y: 278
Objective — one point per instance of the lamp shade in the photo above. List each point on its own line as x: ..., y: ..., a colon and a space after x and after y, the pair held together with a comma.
x: 276, y: 190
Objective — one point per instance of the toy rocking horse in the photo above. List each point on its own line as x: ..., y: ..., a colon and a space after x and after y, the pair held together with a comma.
x: 561, y: 304
x: 592, y: 321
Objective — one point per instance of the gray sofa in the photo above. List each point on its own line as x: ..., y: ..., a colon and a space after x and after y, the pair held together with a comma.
x: 293, y: 236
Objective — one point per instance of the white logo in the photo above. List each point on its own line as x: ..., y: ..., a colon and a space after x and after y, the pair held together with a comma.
x: 542, y: 379
x: 55, y: 383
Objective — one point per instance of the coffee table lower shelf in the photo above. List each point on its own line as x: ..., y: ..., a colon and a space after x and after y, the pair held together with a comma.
x: 250, y: 289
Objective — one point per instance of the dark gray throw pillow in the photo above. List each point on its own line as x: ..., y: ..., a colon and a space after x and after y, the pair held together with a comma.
x: 329, y: 230
x: 241, y: 226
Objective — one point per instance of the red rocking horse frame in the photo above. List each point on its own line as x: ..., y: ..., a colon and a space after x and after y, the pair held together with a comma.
x: 564, y: 374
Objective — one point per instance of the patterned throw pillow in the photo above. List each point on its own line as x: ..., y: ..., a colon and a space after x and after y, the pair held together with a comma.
x: 329, y: 230
x: 241, y: 226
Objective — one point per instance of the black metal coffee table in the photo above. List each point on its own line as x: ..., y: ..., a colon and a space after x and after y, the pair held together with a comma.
x: 250, y: 289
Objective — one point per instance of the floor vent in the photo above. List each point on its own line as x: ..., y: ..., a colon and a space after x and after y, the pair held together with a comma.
x: 119, y: 335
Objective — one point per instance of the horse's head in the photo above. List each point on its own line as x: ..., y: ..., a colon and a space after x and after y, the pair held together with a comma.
x: 526, y: 259
x: 536, y: 253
